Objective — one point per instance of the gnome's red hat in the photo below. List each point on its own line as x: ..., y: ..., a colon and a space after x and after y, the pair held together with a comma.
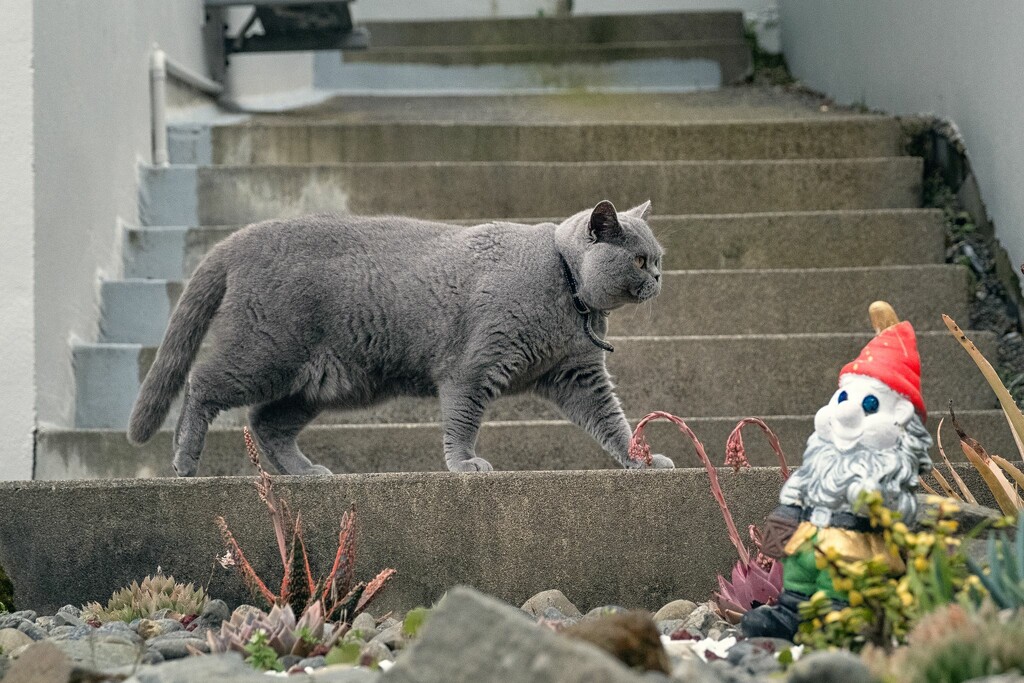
x: 892, y: 358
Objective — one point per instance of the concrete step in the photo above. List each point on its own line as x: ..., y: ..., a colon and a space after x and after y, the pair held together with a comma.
x: 691, y: 302
x: 282, y: 142
x: 416, y: 447
x: 602, y: 537
x: 824, y: 239
x: 579, y: 29
x: 203, y: 195
x: 700, y: 375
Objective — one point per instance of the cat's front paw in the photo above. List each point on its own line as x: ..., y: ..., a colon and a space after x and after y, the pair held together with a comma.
x: 660, y: 462
x: 470, y: 465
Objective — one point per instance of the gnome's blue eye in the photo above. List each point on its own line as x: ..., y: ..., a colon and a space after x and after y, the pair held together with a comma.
x: 870, y: 404
x: 842, y: 396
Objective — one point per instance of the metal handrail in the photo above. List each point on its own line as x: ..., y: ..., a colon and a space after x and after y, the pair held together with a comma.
x: 160, y: 66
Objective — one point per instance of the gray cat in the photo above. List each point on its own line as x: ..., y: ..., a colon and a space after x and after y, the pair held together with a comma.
x: 333, y: 311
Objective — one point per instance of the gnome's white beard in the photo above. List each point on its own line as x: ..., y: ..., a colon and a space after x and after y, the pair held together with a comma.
x: 834, y: 479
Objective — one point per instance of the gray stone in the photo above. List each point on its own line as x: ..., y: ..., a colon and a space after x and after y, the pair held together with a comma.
x: 829, y: 667
x: 26, y: 614
x: 64, y: 619
x: 374, y: 652
x: 731, y: 674
x: 223, y: 668
x: 11, y: 639
x: 242, y: 610
x: 215, y: 612
x: 70, y: 610
x: 345, y: 674
x: 149, y: 628
x: 541, y: 602
x: 177, y: 645
x: 472, y: 637
x: 100, y: 655
x: 32, y: 631
x: 392, y: 637
x: 45, y: 623
x: 694, y: 670
x: 677, y: 609
x: 288, y: 661
x: 365, y: 623
x: 71, y: 632
x: 669, y: 626
x: 11, y: 621
x: 703, y: 618
x: 313, y: 663
x: 605, y: 611
x: 41, y: 662
x: 755, y: 658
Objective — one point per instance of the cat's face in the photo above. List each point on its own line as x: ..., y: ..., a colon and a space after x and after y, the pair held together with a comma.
x: 621, y: 260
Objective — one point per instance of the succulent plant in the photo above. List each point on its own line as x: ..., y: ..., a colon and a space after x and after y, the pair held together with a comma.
x: 752, y: 585
x: 1004, y: 576
x: 282, y: 632
x: 141, y: 600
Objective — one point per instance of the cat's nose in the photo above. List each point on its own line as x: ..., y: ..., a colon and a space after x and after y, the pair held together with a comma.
x: 657, y: 277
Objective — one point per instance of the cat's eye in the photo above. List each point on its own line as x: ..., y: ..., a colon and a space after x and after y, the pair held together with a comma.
x: 641, y: 261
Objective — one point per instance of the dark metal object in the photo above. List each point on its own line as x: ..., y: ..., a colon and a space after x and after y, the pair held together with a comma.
x: 287, y: 26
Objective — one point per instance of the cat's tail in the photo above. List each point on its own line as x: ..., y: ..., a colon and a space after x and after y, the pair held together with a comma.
x: 185, y: 331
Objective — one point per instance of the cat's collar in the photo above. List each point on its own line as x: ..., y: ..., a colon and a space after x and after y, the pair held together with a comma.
x: 583, y: 309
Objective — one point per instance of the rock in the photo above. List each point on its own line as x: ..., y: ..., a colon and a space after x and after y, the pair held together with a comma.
x: 63, y: 619
x: 288, y: 661
x: 387, y: 623
x: 312, y: 663
x: 242, y: 610
x: 26, y: 614
x: 71, y: 611
x: 152, y: 657
x: 42, y: 662
x: 366, y: 624
x: 32, y: 631
x: 5, y: 664
x: 677, y: 609
x: 344, y: 674
x: 753, y: 658
x: 693, y: 670
x: 119, y: 629
x: 177, y: 645
x: 392, y: 637
x: 838, y: 666
x: 727, y: 673
x: 215, y: 611
x: 539, y: 603
x: 670, y: 626
x: 11, y: 621
x: 471, y: 637
x: 702, y: 619
x: 161, y: 614
x: 11, y: 639
x: 223, y: 668
x: 149, y: 628
x: 374, y: 652
x: 98, y: 654
x: 45, y: 623
x: 71, y: 632
x: 605, y: 611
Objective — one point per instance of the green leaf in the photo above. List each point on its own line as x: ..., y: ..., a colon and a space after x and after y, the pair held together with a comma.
x: 414, y: 620
x: 346, y: 652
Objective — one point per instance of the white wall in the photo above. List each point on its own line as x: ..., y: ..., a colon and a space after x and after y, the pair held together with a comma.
x: 17, y: 383
x: 91, y: 131
x: 960, y: 60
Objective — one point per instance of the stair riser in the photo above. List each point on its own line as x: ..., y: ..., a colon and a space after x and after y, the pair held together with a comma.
x: 691, y: 302
x: 417, y: 448
x: 709, y: 376
x: 604, y: 537
x: 795, y: 240
x: 185, y: 195
x: 318, y: 143
x: 560, y: 30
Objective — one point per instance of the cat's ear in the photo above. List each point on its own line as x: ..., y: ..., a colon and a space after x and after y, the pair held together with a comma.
x: 642, y: 211
x: 604, y: 223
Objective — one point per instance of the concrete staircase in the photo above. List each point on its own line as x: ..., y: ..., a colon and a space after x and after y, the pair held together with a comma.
x: 781, y: 224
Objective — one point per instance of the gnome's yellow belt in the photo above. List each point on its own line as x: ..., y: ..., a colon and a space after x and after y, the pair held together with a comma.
x: 848, y: 544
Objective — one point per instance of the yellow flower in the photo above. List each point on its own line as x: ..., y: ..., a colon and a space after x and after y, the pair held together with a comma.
x: 856, y: 599
x: 900, y: 528
x: 921, y: 564
x: 833, y: 617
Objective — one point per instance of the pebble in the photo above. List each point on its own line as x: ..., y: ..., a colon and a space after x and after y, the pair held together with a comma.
x: 540, y: 602
x: 366, y: 624
x: 313, y: 663
x: 63, y: 619
x: 374, y: 652
x: 836, y: 666
x: 177, y: 645
x: 288, y: 661
x: 242, y: 611
x: 26, y: 614
x: 32, y: 631
x: 703, y: 618
x: 392, y: 638
x: 71, y: 632
x: 605, y: 611
x: 70, y: 610
x: 677, y: 609
x: 149, y: 628
x: 45, y: 623
x: 669, y: 626
x: 754, y: 658
x: 12, y: 638
x: 215, y: 612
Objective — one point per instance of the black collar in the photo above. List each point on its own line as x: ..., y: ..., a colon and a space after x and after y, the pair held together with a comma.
x: 583, y: 309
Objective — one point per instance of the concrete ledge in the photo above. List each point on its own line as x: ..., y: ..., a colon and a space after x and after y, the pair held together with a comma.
x: 810, y: 239
x: 624, y: 537
x: 188, y: 195
x: 416, y: 447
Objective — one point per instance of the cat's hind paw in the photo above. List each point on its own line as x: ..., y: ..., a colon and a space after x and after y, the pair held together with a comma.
x: 660, y: 462
x: 470, y: 465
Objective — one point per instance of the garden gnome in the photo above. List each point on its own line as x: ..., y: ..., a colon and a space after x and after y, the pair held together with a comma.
x: 869, y: 437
